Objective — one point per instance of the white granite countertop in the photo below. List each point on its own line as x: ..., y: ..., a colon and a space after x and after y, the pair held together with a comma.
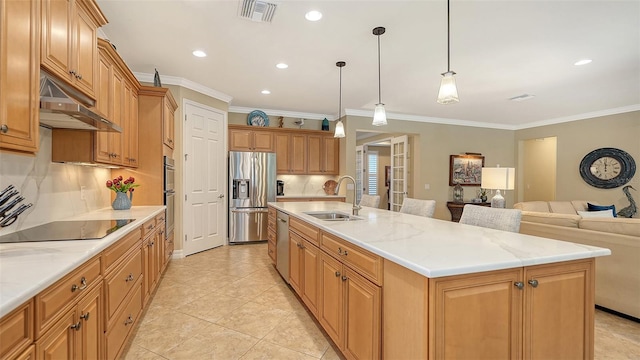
x: 436, y: 248
x: 30, y: 267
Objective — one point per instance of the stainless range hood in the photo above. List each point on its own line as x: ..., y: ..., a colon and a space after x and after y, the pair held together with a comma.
x: 58, y: 109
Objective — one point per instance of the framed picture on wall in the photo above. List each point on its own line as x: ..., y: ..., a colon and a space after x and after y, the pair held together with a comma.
x: 465, y: 170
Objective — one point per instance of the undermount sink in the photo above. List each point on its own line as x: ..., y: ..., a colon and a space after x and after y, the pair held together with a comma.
x: 332, y: 216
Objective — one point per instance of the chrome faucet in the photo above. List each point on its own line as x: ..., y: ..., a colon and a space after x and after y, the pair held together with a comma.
x: 355, y: 208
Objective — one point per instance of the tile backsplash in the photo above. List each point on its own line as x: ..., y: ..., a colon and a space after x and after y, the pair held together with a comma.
x: 304, y: 185
x: 56, y: 190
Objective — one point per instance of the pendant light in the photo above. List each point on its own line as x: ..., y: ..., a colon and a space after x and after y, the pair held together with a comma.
x: 379, y: 115
x: 339, y: 133
x: 448, y: 93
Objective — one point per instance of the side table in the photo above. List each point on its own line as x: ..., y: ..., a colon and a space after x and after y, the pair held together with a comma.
x: 455, y: 208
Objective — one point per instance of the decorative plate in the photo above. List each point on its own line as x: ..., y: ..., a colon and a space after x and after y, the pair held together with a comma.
x: 257, y: 118
x: 329, y: 187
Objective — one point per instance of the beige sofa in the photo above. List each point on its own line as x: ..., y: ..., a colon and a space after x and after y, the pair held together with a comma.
x: 617, y: 275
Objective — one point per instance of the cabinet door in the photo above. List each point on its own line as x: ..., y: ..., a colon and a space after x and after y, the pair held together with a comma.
x: 295, y: 262
x: 126, y: 124
x: 103, y: 106
x: 298, y: 154
x: 115, y: 139
x: 476, y: 316
x: 310, y: 263
x: 331, y: 305
x: 58, y: 342
x: 168, y: 124
x: 89, y: 338
x: 57, y: 36
x: 283, y: 154
x: 362, y: 320
x: 147, y: 268
x: 133, y: 129
x: 85, y: 51
x: 240, y: 140
x: 160, y: 238
x: 314, y: 154
x: 559, y: 311
x: 331, y: 155
x: 262, y: 141
x: 19, y: 66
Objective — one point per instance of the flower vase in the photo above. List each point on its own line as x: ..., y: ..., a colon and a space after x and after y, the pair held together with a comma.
x: 122, y: 202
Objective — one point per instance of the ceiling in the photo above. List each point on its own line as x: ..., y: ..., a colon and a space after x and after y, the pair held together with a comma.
x: 499, y: 50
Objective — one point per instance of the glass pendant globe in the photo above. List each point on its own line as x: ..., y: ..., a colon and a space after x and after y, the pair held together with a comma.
x: 339, y: 133
x: 448, y: 93
x: 379, y: 116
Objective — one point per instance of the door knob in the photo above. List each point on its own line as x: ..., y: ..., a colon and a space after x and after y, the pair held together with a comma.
x: 220, y: 196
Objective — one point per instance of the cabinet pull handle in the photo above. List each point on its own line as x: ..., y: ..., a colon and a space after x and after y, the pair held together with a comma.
x: 533, y: 283
x: 76, y: 326
x: 79, y: 76
x: 128, y: 321
x: 72, y: 72
x: 519, y: 284
x: 337, y: 273
x: 83, y: 283
x: 340, y: 250
x: 129, y: 278
x: 150, y: 227
x: 4, y: 129
x: 344, y: 278
x: 345, y: 253
x: 85, y: 317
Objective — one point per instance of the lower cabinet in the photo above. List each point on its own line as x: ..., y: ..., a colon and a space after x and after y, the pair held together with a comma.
x: 125, y: 320
x: 303, y: 270
x: 349, y: 309
x: 78, y: 334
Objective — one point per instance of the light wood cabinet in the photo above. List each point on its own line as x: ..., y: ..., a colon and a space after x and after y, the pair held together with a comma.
x: 168, y: 122
x: 243, y: 138
x: 69, y: 42
x: 541, y: 312
x: 117, y: 100
x: 78, y: 334
x: 319, y: 198
x: 331, y: 299
x: 323, y: 155
x: 29, y: 354
x: 19, y: 79
x: 291, y: 153
x: 153, y: 256
x: 125, y: 320
x: 16, y: 331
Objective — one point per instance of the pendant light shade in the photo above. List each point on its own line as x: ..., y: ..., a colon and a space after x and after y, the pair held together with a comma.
x: 339, y: 132
x: 448, y: 93
x: 379, y: 115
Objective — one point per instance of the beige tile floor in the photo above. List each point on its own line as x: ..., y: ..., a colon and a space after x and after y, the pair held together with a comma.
x: 230, y: 303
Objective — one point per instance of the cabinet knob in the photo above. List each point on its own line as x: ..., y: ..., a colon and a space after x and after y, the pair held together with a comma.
x: 344, y: 278
x: 85, y: 317
x: 128, y: 321
x: 519, y: 284
x: 340, y: 250
x: 129, y: 278
x: 4, y: 129
x: 76, y: 326
x: 337, y: 273
x: 533, y: 282
x: 79, y: 76
x: 72, y: 72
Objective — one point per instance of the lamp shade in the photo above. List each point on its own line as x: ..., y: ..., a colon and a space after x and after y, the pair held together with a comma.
x: 339, y: 132
x: 498, y: 178
x: 379, y: 116
x: 448, y: 93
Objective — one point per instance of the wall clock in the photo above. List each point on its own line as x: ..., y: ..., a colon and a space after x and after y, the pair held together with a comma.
x: 257, y: 118
x: 607, y: 168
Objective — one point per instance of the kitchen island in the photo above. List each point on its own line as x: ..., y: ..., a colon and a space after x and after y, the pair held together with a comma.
x: 411, y: 287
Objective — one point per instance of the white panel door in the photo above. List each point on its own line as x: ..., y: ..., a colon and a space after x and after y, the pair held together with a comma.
x: 362, y: 178
x: 399, y: 169
x: 205, y: 215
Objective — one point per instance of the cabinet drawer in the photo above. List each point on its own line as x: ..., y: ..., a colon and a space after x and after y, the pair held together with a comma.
x: 115, y: 252
x: 271, y: 247
x: 304, y: 229
x: 119, y: 283
x: 148, y: 227
x: 361, y: 260
x: 16, y: 331
x: 124, y: 321
x: 160, y: 218
x: 50, y: 302
x: 168, y: 248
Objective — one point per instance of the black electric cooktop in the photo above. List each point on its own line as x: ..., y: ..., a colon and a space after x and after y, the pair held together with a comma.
x: 66, y: 230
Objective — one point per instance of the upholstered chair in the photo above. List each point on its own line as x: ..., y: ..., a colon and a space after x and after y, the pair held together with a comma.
x: 494, y: 218
x: 419, y: 207
x: 370, y: 200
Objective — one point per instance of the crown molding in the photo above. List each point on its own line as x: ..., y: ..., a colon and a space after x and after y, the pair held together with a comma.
x: 285, y: 113
x: 174, y: 80
x: 589, y: 115
x: 429, y: 119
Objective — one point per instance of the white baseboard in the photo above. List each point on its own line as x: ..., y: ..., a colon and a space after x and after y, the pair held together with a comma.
x: 177, y: 254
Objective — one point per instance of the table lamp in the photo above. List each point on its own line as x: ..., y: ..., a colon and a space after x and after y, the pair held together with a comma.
x: 498, y: 178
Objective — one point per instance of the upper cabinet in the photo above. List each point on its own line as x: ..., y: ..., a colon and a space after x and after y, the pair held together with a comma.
x: 323, y: 155
x: 69, y: 42
x: 245, y: 138
x: 291, y: 153
x: 19, y: 75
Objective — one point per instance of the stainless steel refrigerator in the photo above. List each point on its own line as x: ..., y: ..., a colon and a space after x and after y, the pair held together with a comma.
x: 252, y: 183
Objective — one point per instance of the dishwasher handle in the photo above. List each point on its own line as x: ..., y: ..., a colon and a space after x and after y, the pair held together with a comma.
x: 249, y: 211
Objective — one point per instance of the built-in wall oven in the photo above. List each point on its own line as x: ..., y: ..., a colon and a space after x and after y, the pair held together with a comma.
x: 169, y: 193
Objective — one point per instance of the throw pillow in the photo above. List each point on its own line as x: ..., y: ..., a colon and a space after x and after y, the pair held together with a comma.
x: 592, y: 207
x: 596, y: 214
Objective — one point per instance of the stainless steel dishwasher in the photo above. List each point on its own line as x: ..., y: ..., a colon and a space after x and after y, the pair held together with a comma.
x: 282, y: 245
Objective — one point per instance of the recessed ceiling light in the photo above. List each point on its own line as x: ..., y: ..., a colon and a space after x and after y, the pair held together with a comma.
x: 582, y: 62
x: 199, y: 53
x: 266, y: 92
x: 313, y: 15
x: 282, y: 66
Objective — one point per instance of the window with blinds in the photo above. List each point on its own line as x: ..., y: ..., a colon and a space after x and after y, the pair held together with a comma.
x: 372, y: 171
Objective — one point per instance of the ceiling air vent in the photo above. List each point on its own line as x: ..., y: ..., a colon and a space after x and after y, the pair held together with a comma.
x: 522, y: 97
x: 256, y: 10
